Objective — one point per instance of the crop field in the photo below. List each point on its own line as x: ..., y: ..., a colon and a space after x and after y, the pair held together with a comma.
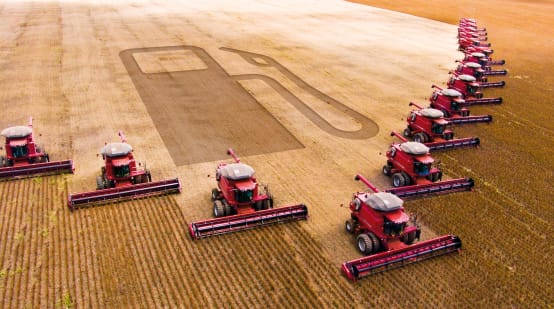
x: 307, y: 97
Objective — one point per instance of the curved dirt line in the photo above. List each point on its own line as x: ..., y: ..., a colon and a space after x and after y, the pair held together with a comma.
x: 369, y: 127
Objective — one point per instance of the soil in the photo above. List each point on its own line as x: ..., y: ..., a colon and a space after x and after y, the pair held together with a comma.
x: 308, y: 98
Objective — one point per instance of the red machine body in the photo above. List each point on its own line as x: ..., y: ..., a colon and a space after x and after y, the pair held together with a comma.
x: 239, y: 204
x: 465, y: 42
x: 451, y: 104
x: 428, y: 126
x: 24, y: 158
x: 482, y: 59
x: 471, y: 95
x: 120, y: 167
x: 122, y: 178
x: 386, y: 233
x: 413, y: 172
x: 468, y: 84
x: 476, y: 70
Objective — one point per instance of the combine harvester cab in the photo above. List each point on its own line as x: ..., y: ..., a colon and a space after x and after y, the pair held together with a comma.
x: 24, y: 158
x: 451, y: 104
x: 471, y: 96
x: 239, y: 204
x: 410, y: 166
x: 121, y: 179
x: 428, y: 126
x: 386, y: 234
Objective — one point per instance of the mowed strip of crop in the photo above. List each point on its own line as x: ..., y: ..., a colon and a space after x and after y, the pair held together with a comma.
x: 138, y: 254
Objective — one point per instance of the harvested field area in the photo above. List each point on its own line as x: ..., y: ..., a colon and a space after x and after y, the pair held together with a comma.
x: 307, y: 96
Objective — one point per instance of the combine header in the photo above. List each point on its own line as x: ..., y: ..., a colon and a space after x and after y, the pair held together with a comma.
x: 470, y: 95
x: 24, y: 158
x: 238, y: 203
x: 387, y: 234
x: 411, y: 167
x: 428, y: 126
x: 121, y: 179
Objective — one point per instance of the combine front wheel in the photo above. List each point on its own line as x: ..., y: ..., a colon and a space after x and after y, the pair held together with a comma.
x: 365, y: 244
x: 219, y: 210
x: 408, y: 238
x: 420, y: 138
x: 100, y: 183
x: 398, y: 180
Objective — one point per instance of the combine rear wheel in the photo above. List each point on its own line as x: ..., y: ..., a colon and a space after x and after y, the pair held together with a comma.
x: 387, y: 170
x: 365, y: 244
x: 350, y: 226
x: 219, y: 209
x: 215, y: 194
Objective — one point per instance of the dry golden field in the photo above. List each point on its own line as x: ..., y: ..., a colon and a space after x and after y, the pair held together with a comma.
x: 307, y: 96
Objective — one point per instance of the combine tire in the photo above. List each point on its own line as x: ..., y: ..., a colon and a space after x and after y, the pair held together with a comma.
x: 350, y: 226
x: 2, y: 161
x: 376, y: 243
x: 267, y: 204
x: 409, y: 238
x: 398, y: 180
x: 407, y: 179
x: 365, y: 244
x: 407, y: 132
x: 449, y: 136
x: 99, y: 183
x: 387, y: 170
x: 258, y: 205
x: 219, y: 209
x: 215, y: 194
x: 227, y: 209
x: 420, y: 138
x: 445, y: 113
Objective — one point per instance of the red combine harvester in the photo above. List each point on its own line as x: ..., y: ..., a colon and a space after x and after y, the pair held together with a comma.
x: 428, y: 126
x: 471, y: 96
x: 238, y: 203
x: 465, y: 42
x: 387, y: 234
x: 450, y: 103
x: 482, y: 59
x: 476, y: 70
x: 411, y: 167
x: 470, y: 85
x: 24, y: 158
x: 121, y: 179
